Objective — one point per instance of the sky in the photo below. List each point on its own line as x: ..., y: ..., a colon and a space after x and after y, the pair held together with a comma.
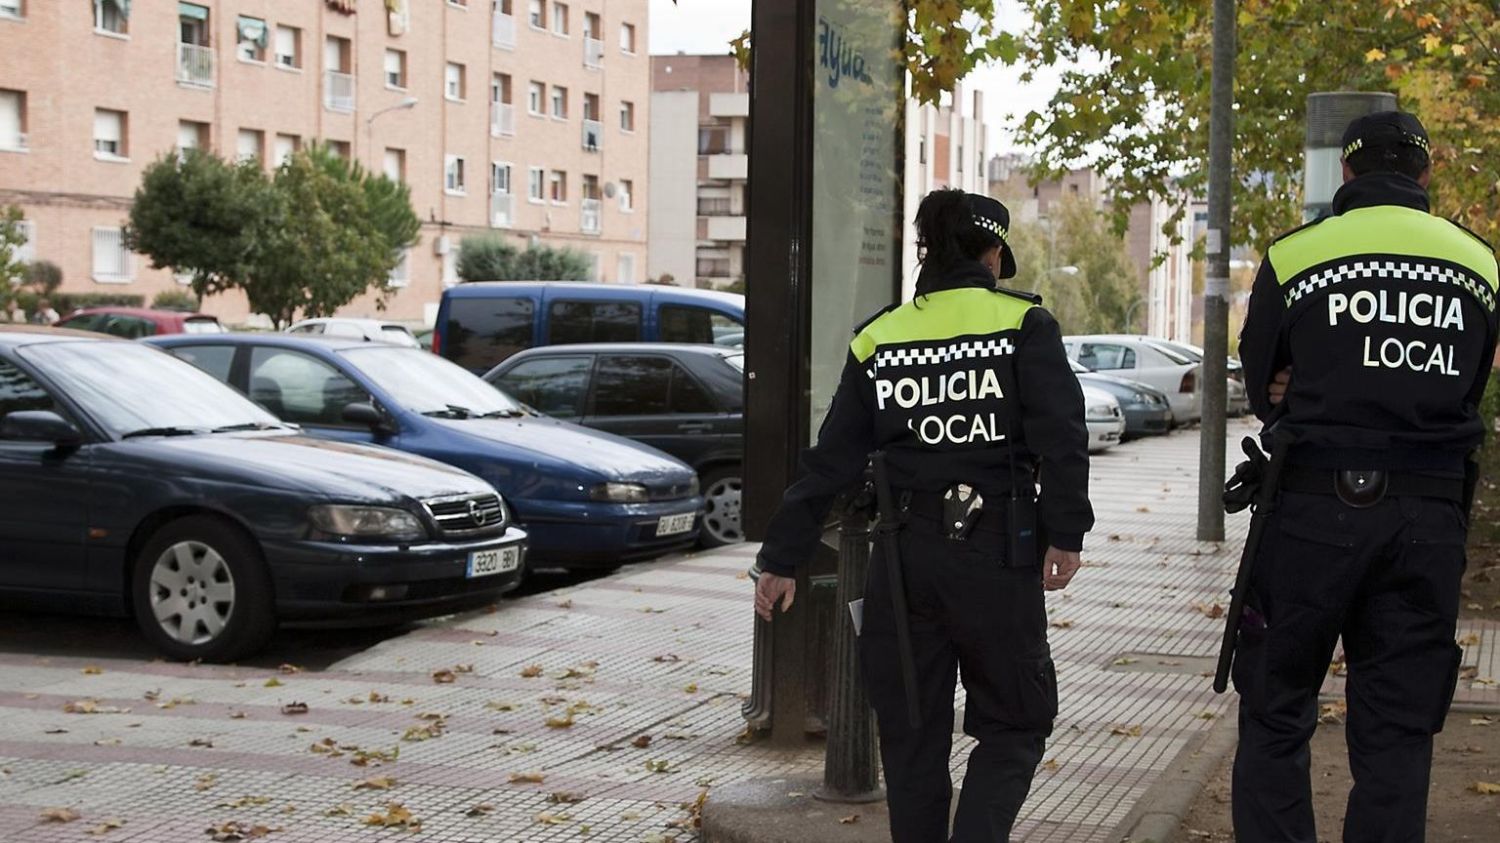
x: 707, y: 26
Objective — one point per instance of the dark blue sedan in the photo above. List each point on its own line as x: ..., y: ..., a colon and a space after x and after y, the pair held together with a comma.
x: 132, y: 483
x: 587, y: 499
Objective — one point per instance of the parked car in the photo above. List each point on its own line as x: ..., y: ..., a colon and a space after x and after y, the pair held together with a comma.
x: 370, y: 330
x: 687, y: 400
x: 587, y: 498
x: 479, y: 325
x: 1238, y: 400
x: 1105, y: 421
x: 1141, y: 359
x: 1232, y: 364
x: 133, y: 484
x: 1147, y: 410
x: 136, y: 322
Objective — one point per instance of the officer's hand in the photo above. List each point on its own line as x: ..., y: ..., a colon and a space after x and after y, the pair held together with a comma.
x: 1059, y: 567
x: 1277, y: 390
x: 770, y: 589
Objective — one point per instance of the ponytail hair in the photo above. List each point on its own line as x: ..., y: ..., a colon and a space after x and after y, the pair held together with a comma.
x: 946, y: 234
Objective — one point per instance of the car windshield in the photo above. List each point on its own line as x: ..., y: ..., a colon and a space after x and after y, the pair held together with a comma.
x: 428, y: 384
x: 735, y: 360
x: 131, y: 388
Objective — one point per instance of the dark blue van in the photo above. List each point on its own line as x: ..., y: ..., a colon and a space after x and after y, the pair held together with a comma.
x: 480, y: 324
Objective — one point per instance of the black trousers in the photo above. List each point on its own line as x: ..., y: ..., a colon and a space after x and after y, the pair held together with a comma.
x: 969, y: 614
x: 1387, y: 579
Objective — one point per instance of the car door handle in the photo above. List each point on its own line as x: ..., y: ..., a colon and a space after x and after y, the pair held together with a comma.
x: 695, y: 427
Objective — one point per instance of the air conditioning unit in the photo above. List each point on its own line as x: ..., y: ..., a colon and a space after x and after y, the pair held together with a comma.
x: 440, y: 245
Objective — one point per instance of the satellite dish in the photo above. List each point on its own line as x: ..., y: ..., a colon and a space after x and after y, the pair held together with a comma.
x: 609, y: 190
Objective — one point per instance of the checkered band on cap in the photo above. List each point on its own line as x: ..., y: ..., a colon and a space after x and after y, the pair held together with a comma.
x: 990, y: 225
x: 1408, y: 138
x: 1406, y: 270
x: 970, y: 350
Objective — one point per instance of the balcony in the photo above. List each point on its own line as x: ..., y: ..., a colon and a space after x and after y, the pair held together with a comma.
x: 591, y: 219
x: 338, y: 91
x: 728, y: 167
x: 503, y: 31
x: 502, y: 210
x: 593, y: 135
x: 713, y: 267
x: 715, y: 207
x: 195, y: 66
x: 729, y: 105
x: 502, y: 119
x: 593, y: 53
x: 726, y: 228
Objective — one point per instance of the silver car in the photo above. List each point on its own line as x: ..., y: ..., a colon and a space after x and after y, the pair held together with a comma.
x: 1144, y: 359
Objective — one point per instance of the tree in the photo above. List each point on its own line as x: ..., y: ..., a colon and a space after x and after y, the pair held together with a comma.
x: 1136, y: 104
x: 488, y: 257
x: 1101, y: 292
x: 45, y: 277
x: 12, y: 238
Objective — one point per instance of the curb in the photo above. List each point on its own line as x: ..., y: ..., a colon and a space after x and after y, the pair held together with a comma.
x: 1157, y: 816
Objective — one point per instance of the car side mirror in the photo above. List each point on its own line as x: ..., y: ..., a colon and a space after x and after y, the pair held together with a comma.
x: 365, y: 413
x: 40, y: 426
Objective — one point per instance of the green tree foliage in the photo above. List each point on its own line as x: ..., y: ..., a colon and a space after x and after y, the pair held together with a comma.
x: 489, y: 257
x: 1089, y: 283
x: 175, y: 300
x: 12, y: 268
x: 1136, y: 104
x: 44, y: 277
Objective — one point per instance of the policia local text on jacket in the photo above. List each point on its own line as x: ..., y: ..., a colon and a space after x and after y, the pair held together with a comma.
x: 966, y: 384
x: 1386, y: 316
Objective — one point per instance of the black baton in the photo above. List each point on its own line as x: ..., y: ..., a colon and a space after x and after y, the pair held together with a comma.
x: 1265, y: 504
x: 890, y: 547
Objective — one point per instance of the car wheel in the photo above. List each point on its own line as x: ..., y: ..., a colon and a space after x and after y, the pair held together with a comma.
x: 201, y: 591
x: 722, y: 491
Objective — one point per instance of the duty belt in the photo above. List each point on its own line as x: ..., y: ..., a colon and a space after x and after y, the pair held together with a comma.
x: 928, y: 506
x: 1363, y: 488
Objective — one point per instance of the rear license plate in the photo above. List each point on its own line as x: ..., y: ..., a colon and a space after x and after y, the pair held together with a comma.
x: 671, y: 525
x: 483, y: 563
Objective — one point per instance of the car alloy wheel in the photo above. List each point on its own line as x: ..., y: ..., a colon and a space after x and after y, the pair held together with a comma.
x: 192, y: 592
x: 721, y: 509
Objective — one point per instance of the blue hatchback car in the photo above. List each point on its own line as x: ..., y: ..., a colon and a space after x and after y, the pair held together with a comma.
x: 587, y: 499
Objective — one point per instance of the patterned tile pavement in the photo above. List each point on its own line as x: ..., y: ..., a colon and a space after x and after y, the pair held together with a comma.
x: 553, y: 698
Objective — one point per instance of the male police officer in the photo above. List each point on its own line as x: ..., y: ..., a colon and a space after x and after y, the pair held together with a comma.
x: 966, y: 388
x: 1367, y: 345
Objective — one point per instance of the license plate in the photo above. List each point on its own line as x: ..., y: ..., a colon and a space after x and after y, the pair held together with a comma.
x: 484, y: 563
x: 671, y: 525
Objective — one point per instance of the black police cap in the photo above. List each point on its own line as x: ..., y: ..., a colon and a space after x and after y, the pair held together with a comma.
x: 1385, y: 130
x: 992, y: 216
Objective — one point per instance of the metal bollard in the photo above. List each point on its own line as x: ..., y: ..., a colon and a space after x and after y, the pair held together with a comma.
x: 851, y: 763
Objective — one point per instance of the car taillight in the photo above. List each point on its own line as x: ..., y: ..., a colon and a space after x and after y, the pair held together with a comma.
x: 437, y: 343
x: 1189, y: 381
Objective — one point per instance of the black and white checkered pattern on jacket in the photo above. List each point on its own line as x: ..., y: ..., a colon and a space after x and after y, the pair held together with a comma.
x: 1405, y: 269
x: 969, y: 350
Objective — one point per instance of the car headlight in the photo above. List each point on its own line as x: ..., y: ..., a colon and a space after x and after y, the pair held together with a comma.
x: 369, y: 522
x: 1101, y: 411
x: 619, y: 493
x: 693, y: 487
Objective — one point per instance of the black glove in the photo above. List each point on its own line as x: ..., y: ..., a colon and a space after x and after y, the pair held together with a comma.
x: 1242, y: 488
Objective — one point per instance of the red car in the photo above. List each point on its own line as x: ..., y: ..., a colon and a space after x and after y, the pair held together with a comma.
x: 136, y: 322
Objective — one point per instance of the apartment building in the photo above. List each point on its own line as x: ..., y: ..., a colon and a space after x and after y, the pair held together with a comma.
x: 944, y: 148
x: 700, y: 106
x: 524, y: 117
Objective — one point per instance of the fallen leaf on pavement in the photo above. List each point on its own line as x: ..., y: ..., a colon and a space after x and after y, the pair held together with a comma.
x: 1213, y: 611
x: 500, y: 706
x: 206, y: 781
x: 59, y: 815
x: 480, y: 810
x: 92, y: 706
x: 1126, y: 731
x: 202, y: 742
x: 55, y: 732
x: 294, y: 708
x: 376, y: 697
x: 273, y: 682
x: 527, y: 778
x: 531, y: 671
x: 376, y: 783
x: 1469, y: 640
x: 107, y: 742
x: 668, y: 658
x: 659, y: 766
x: 245, y: 802
x: 1123, y: 662
x: 444, y: 676
x: 107, y: 826
x: 1482, y: 720
x: 289, y: 669
x: 1334, y: 713
x: 1062, y: 624
x: 549, y: 818
x: 565, y: 604
x: 563, y: 797
x: 641, y: 742
x: 343, y: 809
x: 92, y: 670
x: 235, y: 830
x: 691, y: 688
x: 463, y: 668
x: 561, y: 722
x: 423, y: 732
x: 1052, y: 765
x: 1485, y: 788
x: 849, y: 820
x: 395, y: 814
x: 237, y: 715
x: 1143, y: 509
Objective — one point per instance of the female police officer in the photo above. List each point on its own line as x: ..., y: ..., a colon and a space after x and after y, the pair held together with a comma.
x: 964, y: 389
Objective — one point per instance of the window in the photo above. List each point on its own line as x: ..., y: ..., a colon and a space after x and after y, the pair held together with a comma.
x: 590, y: 187
x: 453, y: 174
x: 112, y: 262
x: 627, y: 38
x: 249, y: 145
x: 626, y: 272
x: 454, y: 87
x: 394, y: 164
x: 109, y: 16
x: 557, y: 187
x: 500, y: 88
x: 483, y: 332
x: 192, y: 24
x: 713, y: 140
x: 591, y: 26
x: 627, y: 195
x: 339, y: 148
x: 302, y: 389
x: 400, y: 273
x: 213, y: 359
x: 594, y: 321
x: 1106, y: 357
x: 283, y: 148
x: 644, y: 386
x: 191, y: 135
x: 13, y: 120
x: 627, y: 116
x: 555, y: 385
x: 499, y: 177
x: 538, y: 14
x: 537, y: 94
x: 685, y: 323
x: 559, y: 102
x: 288, y: 47
x: 109, y: 135
x: 253, y: 36
x: 19, y: 393
x: 559, y: 19
x: 336, y: 54
x: 395, y: 69
x: 11, y: 9
x: 536, y: 184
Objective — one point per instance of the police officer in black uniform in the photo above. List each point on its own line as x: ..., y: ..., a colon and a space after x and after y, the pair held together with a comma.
x: 965, y: 389
x: 1368, y: 346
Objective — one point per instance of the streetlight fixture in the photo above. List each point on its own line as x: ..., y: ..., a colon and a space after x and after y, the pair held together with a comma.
x: 404, y: 105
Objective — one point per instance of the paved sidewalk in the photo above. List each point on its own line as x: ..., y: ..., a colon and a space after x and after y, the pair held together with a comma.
x: 623, y: 693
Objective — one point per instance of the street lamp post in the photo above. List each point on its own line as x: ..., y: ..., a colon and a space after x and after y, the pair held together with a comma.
x: 403, y: 105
